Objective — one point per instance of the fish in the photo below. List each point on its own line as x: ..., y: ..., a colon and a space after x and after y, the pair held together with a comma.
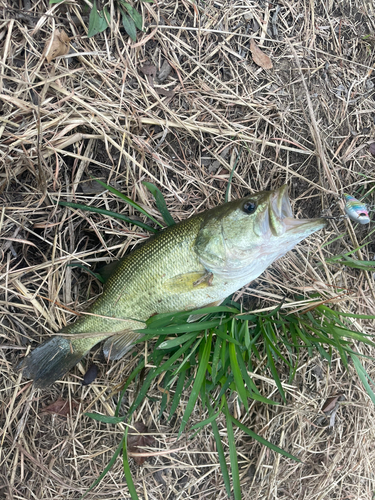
x: 197, y: 262
x: 356, y: 210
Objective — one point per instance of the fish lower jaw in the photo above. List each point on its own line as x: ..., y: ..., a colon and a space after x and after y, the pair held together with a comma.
x: 302, y: 227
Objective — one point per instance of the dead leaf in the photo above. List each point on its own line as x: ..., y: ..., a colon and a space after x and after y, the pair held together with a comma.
x: 59, y: 46
x: 332, y: 403
x: 332, y: 419
x: 149, y: 70
x: 91, y: 187
x: 164, y: 72
x: 60, y: 407
x: 137, y: 439
x: 372, y: 148
x: 165, y: 92
x: 259, y: 57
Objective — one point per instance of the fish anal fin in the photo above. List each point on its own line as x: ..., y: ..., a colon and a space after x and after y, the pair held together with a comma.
x: 116, y: 346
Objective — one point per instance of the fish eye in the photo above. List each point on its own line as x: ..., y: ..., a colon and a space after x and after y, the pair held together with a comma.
x: 249, y: 207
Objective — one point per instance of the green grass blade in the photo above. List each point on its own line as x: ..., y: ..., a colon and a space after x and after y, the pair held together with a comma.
x: 185, y: 328
x: 274, y: 311
x: 203, y: 391
x: 263, y: 441
x: 205, y: 422
x: 160, y: 203
x: 249, y: 317
x: 237, y: 375
x: 164, y: 319
x: 155, y: 372
x: 128, y: 200
x: 201, y: 373
x: 223, y: 354
x: 232, y: 454
x: 361, y: 337
x: 107, y: 468
x: 364, y: 265
x: 301, y: 335
x: 165, y: 397
x: 221, y: 455
x: 215, y: 359
x: 273, y: 370
x: 224, y: 336
x: 108, y: 213
x: 178, y: 392
x: 88, y: 270
x: 190, y: 355
x: 324, y: 354
x: 362, y: 374
x: 128, y: 474
x: 129, y: 380
x: 250, y: 343
x: 357, y: 316
x: 339, y: 345
x: 225, y: 384
x: 269, y: 333
x: 254, y: 392
x: 168, y: 344
x: 220, y: 451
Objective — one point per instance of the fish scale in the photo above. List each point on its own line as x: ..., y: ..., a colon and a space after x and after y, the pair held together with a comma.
x: 128, y: 295
x: 194, y: 263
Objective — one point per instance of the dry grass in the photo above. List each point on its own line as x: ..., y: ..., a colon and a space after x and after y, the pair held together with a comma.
x: 307, y: 122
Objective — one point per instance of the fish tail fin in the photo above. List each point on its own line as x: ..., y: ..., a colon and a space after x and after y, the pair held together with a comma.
x: 52, y: 359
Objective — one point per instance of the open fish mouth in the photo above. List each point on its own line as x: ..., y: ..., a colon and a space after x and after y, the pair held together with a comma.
x: 282, y: 221
x: 280, y: 203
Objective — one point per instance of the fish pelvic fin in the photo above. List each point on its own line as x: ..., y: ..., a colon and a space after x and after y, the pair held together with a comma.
x: 52, y: 359
x: 116, y: 346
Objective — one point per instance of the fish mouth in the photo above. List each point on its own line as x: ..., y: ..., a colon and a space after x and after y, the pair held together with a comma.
x: 282, y: 221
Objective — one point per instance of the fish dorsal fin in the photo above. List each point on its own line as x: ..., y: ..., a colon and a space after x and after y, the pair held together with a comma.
x: 116, y: 346
x: 188, y: 282
x: 107, y: 270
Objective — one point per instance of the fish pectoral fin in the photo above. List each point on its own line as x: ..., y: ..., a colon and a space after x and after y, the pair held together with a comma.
x: 116, y: 346
x: 188, y: 282
x: 195, y: 317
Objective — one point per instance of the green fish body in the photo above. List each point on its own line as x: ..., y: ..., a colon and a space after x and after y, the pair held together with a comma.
x: 194, y: 263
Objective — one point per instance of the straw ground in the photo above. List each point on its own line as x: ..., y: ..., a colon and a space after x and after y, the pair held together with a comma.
x: 200, y: 108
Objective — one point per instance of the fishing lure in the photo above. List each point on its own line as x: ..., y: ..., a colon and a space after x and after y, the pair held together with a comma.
x: 356, y: 210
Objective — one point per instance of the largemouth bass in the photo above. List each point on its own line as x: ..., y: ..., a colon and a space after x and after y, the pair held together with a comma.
x: 192, y: 264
